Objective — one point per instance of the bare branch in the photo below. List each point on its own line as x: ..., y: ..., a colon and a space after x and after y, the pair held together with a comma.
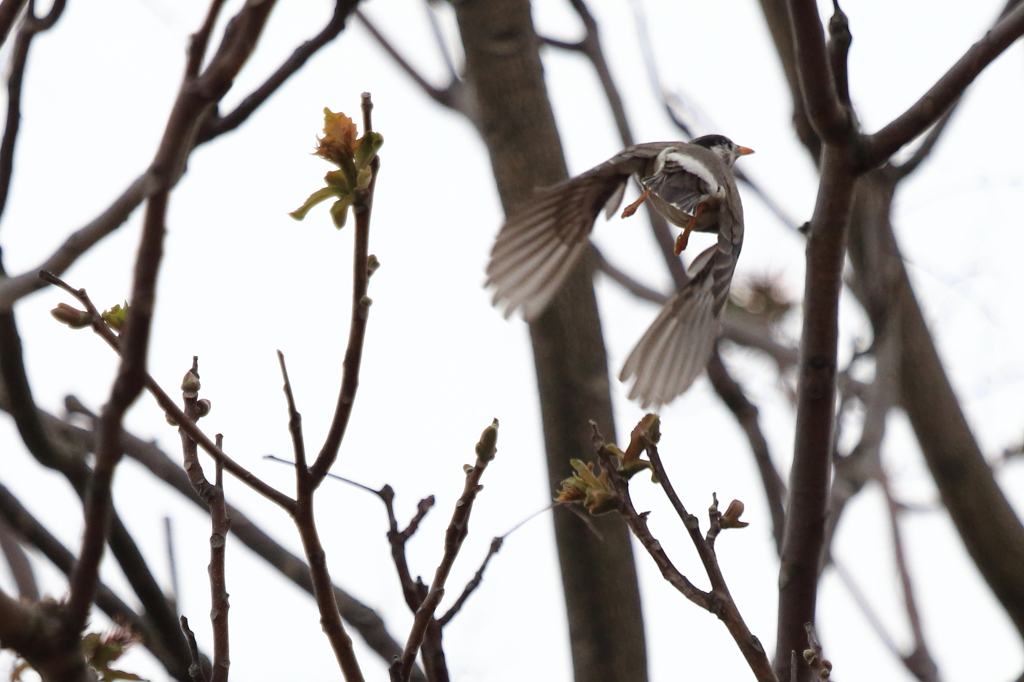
x: 218, y: 125
x: 865, y: 607
x: 294, y: 422
x: 9, y: 11
x: 926, y: 146
x: 919, y: 661
x: 17, y: 561
x: 31, y: 26
x: 365, y: 620
x: 718, y: 601
x: 830, y: 119
x: 168, y: 405
x: 451, y: 97
x: 838, y: 51
x: 458, y: 529
x: 219, y: 606
x: 34, y: 533
x: 941, y: 96
x: 626, y: 282
x: 201, y: 39
x: 472, y: 584
x: 745, y: 412
x: 195, y: 670
x: 210, y: 127
x: 496, y: 544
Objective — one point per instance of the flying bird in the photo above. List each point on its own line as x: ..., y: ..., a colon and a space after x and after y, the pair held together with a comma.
x: 692, y: 185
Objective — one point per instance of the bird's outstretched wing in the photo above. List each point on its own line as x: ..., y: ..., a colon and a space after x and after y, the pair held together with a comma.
x: 675, y: 349
x: 537, y: 248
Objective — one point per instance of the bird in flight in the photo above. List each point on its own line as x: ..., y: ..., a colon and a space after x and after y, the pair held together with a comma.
x: 692, y: 185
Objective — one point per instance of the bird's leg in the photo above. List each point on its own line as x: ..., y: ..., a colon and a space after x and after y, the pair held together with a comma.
x: 631, y: 209
x: 683, y: 239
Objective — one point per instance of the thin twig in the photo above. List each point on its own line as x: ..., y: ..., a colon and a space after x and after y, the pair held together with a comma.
x: 496, y: 545
x: 458, y: 529
x: 718, y: 601
x: 472, y: 584
x: 940, y: 97
x: 195, y: 671
x: 861, y: 600
x: 927, y: 145
x: 142, y: 187
x: 369, y: 625
x: 746, y: 415
x: 18, y: 562
x: 305, y: 522
x: 201, y: 39
x: 36, y: 534
x: 219, y: 605
x: 449, y: 96
x: 168, y: 405
x: 216, y: 126
x: 435, y: 26
x: 919, y: 661
x: 294, y: 422
x: 30, y: 28
x: 817, y: 662
x: 172, y: 561
x: 360, y: 313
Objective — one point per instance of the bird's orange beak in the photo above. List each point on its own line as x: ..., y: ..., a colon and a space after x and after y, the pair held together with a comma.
x: 745, y: 150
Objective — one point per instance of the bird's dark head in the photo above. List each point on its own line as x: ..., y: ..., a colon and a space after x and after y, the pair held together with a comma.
x: 726, y: 149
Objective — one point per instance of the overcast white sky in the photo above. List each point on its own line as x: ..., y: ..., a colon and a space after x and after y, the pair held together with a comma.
x: 241, y: 279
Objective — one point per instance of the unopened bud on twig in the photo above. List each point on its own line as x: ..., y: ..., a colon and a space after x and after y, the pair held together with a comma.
x: 487, y: 446
x: 203, y: 408
x: 71, y: 316
x: 731, y: 517
x: 190, y: 385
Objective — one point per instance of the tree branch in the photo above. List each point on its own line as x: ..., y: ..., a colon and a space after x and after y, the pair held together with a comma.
x: 745, y: 413
x: 718, y: 601
x: 211, y: 126
x: 810, y: 476
x: 18, y: 562
x: 830, y: 120
x: 458, y: 529
x: 363, y: 619
x: 357, y: 325
x: 941, y: 96
x: 31, y: 27
x: 20, y: 519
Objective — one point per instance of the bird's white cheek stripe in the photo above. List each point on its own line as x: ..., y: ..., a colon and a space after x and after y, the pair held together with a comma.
x: 692, y: 165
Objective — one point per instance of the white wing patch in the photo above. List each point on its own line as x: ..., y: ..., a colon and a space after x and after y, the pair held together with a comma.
x: 690, y: 165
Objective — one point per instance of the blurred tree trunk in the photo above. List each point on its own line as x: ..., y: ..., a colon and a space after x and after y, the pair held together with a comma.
x: 514, y: 116
x: 987, y: 524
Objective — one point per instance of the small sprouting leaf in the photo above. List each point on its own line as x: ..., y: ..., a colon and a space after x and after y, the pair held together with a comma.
x: 366, y: 150
x: 339, y: 209
x: 339, y: 138
x: 116, y: 316
x: 317, y: 197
